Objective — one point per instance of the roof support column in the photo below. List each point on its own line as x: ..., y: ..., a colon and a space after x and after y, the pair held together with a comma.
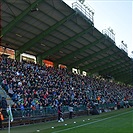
x: 39, y: 60
x: 17, y: 55
x: 56, y: 65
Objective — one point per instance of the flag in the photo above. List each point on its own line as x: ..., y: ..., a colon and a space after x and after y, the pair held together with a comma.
x: 9, y: 111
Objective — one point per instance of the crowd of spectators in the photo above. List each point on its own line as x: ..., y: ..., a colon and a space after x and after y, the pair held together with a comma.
x: 33, y: 86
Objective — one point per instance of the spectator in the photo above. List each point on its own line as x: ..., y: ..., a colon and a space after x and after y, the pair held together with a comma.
x: 4, y: 106
x: 70, y: 108
x: 36, y: 85
x: 60, y: 113
x: 1, y: 119
x: 88, y: 107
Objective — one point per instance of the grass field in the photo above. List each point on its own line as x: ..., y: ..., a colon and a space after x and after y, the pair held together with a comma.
x: 119, y: 121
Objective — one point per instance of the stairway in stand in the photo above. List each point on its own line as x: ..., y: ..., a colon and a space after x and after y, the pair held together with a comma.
x: 4, y: 94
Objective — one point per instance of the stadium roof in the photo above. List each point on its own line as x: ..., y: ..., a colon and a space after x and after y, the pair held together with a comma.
x: 52, y: 30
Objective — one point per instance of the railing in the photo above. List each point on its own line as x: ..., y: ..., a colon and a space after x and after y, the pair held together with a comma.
x: 46, y: 111
x: 52, y: 111
x: 3, y: 92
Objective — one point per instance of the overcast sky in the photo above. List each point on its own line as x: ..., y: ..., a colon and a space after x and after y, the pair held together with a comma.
x: 114, y: 14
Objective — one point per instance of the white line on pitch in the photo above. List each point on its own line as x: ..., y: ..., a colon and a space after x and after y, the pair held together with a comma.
x: 92, y: 122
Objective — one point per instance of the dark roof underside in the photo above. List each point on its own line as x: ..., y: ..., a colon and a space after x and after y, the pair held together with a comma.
x: 58, y: 33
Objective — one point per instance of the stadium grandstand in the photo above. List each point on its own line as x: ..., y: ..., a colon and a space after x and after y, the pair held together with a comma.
x: 51, y: 53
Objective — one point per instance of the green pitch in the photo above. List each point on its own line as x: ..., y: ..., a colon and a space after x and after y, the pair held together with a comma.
x: 119, y: 121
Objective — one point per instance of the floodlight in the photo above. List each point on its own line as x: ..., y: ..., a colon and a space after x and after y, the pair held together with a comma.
x: 81, y: 1
x: 34, y: 9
